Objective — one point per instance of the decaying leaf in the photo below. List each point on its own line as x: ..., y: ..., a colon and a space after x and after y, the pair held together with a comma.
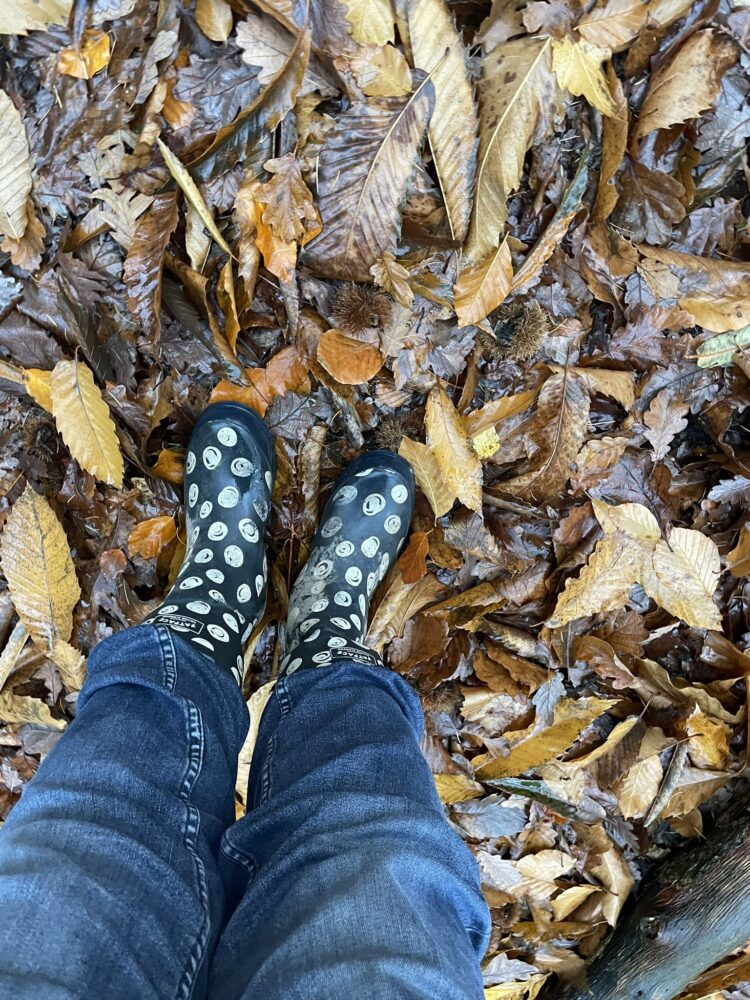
x: 364, y: 173
x: 143, y: 265
x: 460, y: 466
x: 382, y: 72
x: 84, y: 421
x: 37, y: 564
x: 214, y: 18
x: 687, y: 84
x: 15, y: 170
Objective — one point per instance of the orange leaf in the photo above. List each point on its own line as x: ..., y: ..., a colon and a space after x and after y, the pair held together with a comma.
x: 169, y: 466
x: 285, y: 372
x: 148, y: 538
x: 86, y: 61
x: 350, y: 361
x: 412, y: 562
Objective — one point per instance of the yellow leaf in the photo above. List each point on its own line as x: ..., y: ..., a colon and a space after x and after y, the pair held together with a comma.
x: 460, y: 466
x: 527, y: 990
x: 708, y: 744
x: 610, y: 869
x: 684, y: 576
x: 92, y: 55
x: 639, y: 786
x: 84, y: 421
x: 516, y: 83
x: 457, y: 788
x: 428, y: 475
x: 190, y: 190
x: 492, y: 414
x: 693, y: 789
x: 371, y: 21
x: 256, y: 703
x: 36, y: 563
x: 12, y: 651
x: 17, y: 709
x: 481, y: 289
x: 688, y: 83
x: 570, y: 719
x: 578, y: 67
x: 437, y: 48
x: 71, y: 664
x: 570, y: 899
x: 22, y: 16
x: 632, y: 519
x: 738, y: 560
x: 382, y: 72
x: 540, y: 872
x: 214, y: 18
x: 15, y: 170
x: 37, y: 385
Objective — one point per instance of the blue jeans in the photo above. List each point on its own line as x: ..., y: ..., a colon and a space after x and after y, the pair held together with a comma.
x: 124, y: 875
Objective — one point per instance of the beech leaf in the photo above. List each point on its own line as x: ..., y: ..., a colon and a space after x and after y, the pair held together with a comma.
x: 350, y: 361
x: 429, y: 475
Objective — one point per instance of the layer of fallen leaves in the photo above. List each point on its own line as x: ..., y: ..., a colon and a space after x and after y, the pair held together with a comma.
x: 508, y: 240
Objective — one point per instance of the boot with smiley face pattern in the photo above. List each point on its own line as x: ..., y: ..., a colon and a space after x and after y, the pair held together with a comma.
x: 362, y: 530
x: 220, y: 592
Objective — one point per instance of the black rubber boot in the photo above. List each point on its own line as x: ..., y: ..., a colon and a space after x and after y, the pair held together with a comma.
x: 361, y: 532
x: 220, y: 591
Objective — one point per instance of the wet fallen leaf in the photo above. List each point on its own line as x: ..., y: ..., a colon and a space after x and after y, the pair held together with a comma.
x: 460, y: 466
x: 15, y: 171
x: 91, y: 56
x: 148, y: 538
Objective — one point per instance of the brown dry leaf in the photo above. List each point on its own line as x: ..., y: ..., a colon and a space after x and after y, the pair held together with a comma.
x: 556, y: 431
x: 84, y: 421
x: 36, y: 563
x: 15, y: 170
x: 716, y: 293
x: 429, y: 476
x: 460, y: 466
x: 683, y: 575
x: 288, y: 206
x: 437, y: 48
x: 11, y: 651
x: 687, y: 84
x: 27, y: 251
x: 578, y: 67
x: 664, y: 419
x: 382, y: 72
x: 400, y: 602
x: 541, y: 871
x: 91, y: 56
x: 618, y: 385
x: 394, y: 278
x: 170, y: 466
x: 412, y: 561
x: 613, y: 873
x: 639, y: 786
x: 527, y: 990
x: 148, y: 538
x: 227, y: 299
x: 516, y: 84
x: 681, y: 693
x: 142, y: 273
x: 614, y: 143
x: 570, y: 899
x: 481, y: 289
x: 694, y: 787
x: 285, y: 372
x: 615, y: 24
x: 348, y: 360
x: 371, y: 21
x: 571, y: 717
x: 738, y: 560
x: 214, y: 18
x: 190, y: 189
x: 364, y: 172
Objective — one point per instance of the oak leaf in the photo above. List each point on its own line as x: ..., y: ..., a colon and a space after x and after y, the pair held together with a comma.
x: 84, y: 421
x: 37, y: 564
x: 664, y: 419
x: 288, y: 206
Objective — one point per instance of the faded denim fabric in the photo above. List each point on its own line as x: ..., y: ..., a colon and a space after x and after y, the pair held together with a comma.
x: 124, y: 875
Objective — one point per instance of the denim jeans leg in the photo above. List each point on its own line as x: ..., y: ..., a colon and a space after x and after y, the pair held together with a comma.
x: 361, y: 888
x: 109, y: 881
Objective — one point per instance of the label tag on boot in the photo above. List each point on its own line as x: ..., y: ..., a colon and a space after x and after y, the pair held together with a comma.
x: 180, y: 623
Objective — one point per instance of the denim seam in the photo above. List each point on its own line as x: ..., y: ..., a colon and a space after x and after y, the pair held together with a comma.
x: 281, y: 693
x: 191, y: 827
x: 239, y: 857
